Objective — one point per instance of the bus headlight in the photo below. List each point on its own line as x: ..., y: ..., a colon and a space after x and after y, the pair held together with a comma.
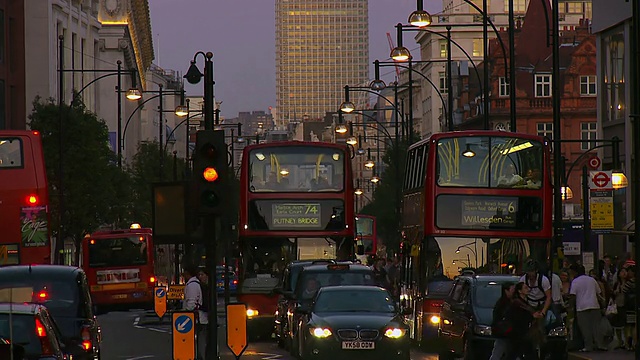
x: 435, y: 319
x: 320, y: 332
x: 252, y: 313
x: 394, y: 333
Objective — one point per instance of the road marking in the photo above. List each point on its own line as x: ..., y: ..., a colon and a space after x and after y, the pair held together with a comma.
x: 265, y: 356
x: 136, y: 320
x: 141, y: 357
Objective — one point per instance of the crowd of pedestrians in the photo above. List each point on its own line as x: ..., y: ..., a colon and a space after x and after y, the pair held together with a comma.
x: 601, y: 305
x: 387, y: 273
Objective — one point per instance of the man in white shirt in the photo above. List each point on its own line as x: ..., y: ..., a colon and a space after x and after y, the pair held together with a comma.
x: 585, y: 289
x: 193, y: 302
x: 539, y: 296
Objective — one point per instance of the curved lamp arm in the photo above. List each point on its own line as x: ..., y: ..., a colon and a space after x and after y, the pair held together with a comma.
x: 124, y: 132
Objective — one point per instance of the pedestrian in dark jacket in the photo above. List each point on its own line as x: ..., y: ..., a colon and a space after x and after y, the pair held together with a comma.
x: 522, y: 342
x: 500, y: 311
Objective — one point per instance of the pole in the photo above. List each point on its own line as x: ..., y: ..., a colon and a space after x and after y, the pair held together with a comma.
x: 449, y: 82
x: 512, y: 69
x: 635, y: 118
x: 557, y: 134
x: 410, y: 127
x: 227, y: 239
x: 586, y: 228
x: 210, y: 241
x: 186, y: 143
x: 161, y: 132
x: 208, y: 91
x: 60, y: 238
x: 485, y: 63
x: 119, y: 152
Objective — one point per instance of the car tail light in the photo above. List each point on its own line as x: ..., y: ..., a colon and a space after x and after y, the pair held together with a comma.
x: 235, y: 282
x: 41, y: 331
x: 86, y: 337
x: 432, y: 306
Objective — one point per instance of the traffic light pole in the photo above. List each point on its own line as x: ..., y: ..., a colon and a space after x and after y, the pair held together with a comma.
x: 210, y: 244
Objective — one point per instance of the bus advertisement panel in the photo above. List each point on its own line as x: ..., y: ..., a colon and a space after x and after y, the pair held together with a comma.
x: 478, y: 200
x: 366, y: 236
x: 120, y: 267
x: 24, y: 195
x: 296, y: 203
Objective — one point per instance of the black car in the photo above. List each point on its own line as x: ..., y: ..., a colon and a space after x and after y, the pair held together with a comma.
x: 467, y: 315
x: 352, y: 322
x: 314, y: 277
x: 286, y: 288
x: 34, y: 334
x: 65, y: 293
x: 428, y: 312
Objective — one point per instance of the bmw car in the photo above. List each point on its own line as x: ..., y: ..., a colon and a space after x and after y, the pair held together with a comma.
x: 352, y: 322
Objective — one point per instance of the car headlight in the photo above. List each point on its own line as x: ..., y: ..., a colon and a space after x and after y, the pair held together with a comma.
x: 560, y: 331
x: 483, y: 330
x: 320, y: 332
x: 394, y: 333
x: 435, y: 319
x: 252, y: 313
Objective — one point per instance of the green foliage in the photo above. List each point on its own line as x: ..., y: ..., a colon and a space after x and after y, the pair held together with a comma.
x: 387, y: 198
x: 92, y: 183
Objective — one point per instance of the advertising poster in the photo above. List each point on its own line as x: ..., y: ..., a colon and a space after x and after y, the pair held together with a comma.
x: 34, y: 227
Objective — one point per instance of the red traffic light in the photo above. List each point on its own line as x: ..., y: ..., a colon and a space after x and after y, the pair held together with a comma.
x: 210, y: 174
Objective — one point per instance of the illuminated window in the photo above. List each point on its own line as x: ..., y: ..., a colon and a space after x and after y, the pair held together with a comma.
x: 478, y: 47
x: 519, y: 6
x: 443, y: 48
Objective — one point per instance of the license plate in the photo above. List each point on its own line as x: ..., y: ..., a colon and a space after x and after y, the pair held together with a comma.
x: 358, y: 345
x: 120, y: 296
x: 138, y: 295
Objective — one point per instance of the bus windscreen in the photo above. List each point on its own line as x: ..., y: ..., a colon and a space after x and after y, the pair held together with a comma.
x: 123, y: 251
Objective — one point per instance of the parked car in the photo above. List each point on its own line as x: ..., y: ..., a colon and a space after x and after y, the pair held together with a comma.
x: 337, y: 274
x: 467, y: 315
x: 65, y: 293
x: 354, y: 322
x: 33, y: 333
x: 233, y: 280
x: 286, y: 288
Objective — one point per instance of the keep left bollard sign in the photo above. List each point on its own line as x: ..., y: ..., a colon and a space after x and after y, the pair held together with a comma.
x: 160, y: 301
x: 184, y: 336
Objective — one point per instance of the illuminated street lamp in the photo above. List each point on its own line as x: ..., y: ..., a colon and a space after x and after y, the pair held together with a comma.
x: 420, y: 18
x: 347, y: 106
x: 400, y: 53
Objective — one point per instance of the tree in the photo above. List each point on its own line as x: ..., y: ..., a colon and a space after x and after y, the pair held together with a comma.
x: 93, y: 186
x: 387, y: 198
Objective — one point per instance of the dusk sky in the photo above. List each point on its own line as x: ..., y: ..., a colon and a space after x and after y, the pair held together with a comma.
x: 241, y: 35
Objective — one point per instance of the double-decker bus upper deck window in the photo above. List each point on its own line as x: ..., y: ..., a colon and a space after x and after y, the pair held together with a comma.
x: 489, y: 162
x: 124, y: 251
x: 364, y: 226
x: 10, y: 152
x: 296, y: 169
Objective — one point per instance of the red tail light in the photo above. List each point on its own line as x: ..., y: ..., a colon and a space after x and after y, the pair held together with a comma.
x: 41, y: 331
x: 152, y: 279
x: 32, y: 199
x: 432, y: 306
x: 235, y: 282
x: 86, y: 338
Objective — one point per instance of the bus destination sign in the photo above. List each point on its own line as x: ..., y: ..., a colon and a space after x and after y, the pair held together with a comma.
x: 488, y: 211
x: 296, y: 215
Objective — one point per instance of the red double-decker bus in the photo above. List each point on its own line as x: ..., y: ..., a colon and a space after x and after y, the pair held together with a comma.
x: 24, y: 200
x: 366, y: 236
x: 120, y: 267
x: 472, y: 199
x: 296, y: 203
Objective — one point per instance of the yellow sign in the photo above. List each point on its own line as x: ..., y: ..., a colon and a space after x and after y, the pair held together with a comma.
x: 160, y: 300
x: 184, y: 336
x: 9, y: 254
x: 4, y: 255
x: 601, y: 213
x: 237, y: 328
x: 176, y: 292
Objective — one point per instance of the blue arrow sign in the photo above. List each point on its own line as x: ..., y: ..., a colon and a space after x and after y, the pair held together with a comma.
x: 183, y: 324
x: 160, y: 293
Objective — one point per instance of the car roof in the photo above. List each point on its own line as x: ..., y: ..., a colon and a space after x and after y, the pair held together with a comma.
x: 324, y: 267
x: 298, y: 263
x: 41, y: 271
x: 19, y: 308
x: 351, y: 287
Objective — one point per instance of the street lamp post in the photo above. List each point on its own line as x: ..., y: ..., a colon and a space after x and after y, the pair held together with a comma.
x: 635, y: 119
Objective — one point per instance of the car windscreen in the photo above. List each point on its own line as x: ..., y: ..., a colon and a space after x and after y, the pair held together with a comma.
x: 356, y: 300
x: 439, y: 289
x: 487, y: 293
x: 122, y: 251
x: 308, y: 280
x: 21, y: 332
x: 59, y: 296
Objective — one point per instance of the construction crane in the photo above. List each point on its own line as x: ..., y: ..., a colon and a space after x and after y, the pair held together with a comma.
x: 391, y: 47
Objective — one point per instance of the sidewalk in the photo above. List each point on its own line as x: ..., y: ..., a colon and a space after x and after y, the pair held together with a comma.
x: 603, y: 355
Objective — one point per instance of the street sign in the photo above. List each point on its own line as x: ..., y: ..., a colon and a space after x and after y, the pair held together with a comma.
x: 176, y: 292
x: 571, y: 248
x: 160, y: 300
x: 594, y: 162
x: 601, y: 200
x: 184, y: 336
x: 600, y: 180
x: 237, y: 328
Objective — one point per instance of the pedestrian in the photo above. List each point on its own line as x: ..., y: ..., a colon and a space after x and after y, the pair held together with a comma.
x: 502, y: 322
x: 629, y: 291
x: 585, y: 291
x: 619, y: 319
x: 193, y: 300
x: 524, y: 337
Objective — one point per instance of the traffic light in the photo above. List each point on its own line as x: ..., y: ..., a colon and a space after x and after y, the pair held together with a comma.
x: 210, y: 167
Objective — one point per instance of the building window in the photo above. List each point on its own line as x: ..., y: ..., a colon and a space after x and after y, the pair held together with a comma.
x: 543, y: 85
x: 504, y: 87
x: 443, y: 82
x: 443, y: 48
x: 588, y: 132
x: 519, y: 6
x: 588, y: 85
x: 478, y: 47
x: 545, y: 129
x: 614, y: 81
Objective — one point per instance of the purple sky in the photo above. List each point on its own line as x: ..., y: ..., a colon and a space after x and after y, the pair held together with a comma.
x: 241, y: 35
